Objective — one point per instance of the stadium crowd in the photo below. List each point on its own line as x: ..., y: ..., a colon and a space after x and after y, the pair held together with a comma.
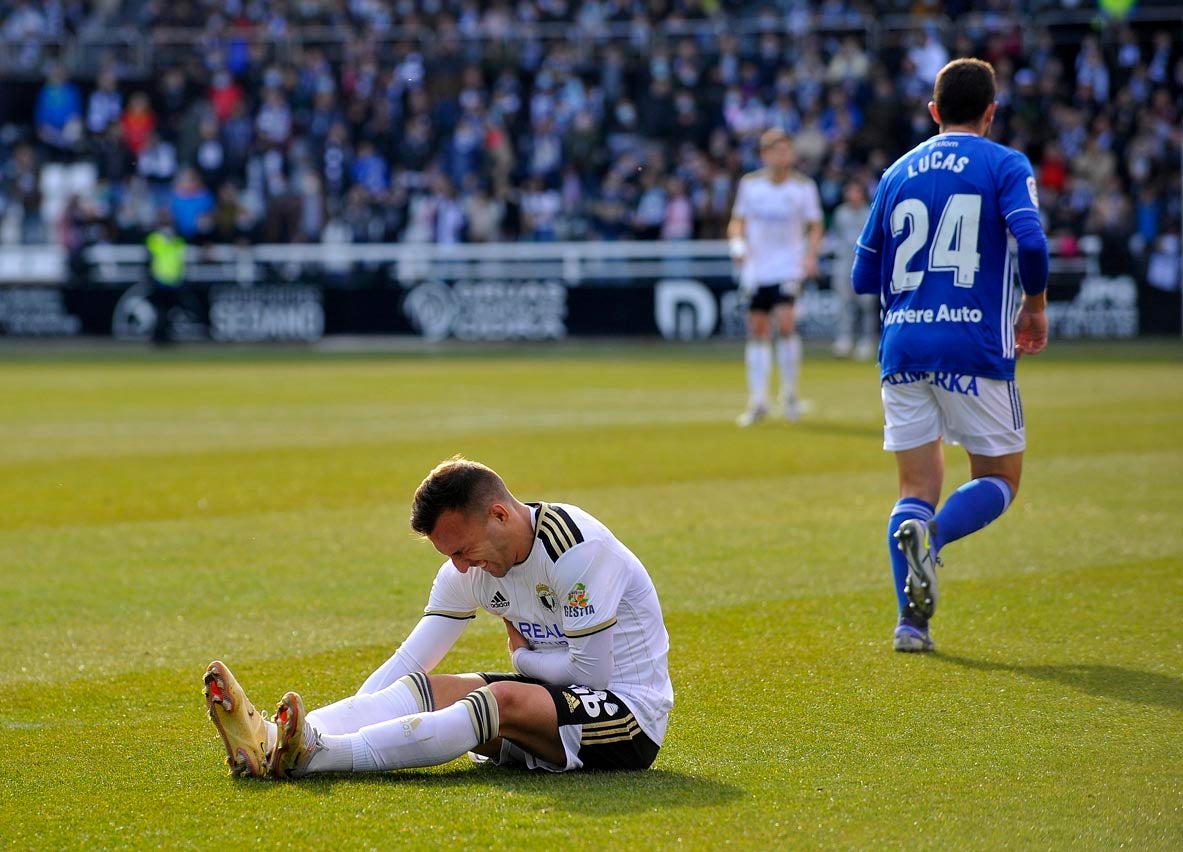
x: 453, y: 120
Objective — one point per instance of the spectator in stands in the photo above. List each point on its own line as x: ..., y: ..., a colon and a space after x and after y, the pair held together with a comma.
x: 191, y: 205
x: 105, y: 105
x: 139, y: 123
x: 58, y: 115
x: 20, y: 188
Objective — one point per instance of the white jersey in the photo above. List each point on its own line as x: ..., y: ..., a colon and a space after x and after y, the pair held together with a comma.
x: 577, y: 581
x: 776, y: 216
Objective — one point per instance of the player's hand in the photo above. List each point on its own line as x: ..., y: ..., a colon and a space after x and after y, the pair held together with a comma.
x: 516, y: 639
x: 810, y: 268
x: 1030, y: 331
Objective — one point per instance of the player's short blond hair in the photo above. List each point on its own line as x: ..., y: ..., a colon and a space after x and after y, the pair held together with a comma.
x: 771, y: 136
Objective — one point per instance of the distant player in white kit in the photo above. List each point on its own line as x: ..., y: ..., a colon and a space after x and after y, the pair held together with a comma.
x: 591, y: 688
x: 775, y: 232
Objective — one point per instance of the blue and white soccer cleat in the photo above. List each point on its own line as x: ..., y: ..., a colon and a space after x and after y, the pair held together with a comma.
x: 910, y: 638
x: 915, y: 541
x: 296, y: 740
x: 240, y: 725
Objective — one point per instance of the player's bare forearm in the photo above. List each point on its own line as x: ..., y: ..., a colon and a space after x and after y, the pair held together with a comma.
x: 816, y: 232
x: 516, y: 639
x: 737, y: 243
x: 1031, y: 325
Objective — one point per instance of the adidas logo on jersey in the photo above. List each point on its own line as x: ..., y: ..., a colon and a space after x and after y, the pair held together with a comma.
x: 499, y: 601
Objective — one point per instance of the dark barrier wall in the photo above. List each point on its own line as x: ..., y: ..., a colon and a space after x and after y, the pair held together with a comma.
x: 306, y: 307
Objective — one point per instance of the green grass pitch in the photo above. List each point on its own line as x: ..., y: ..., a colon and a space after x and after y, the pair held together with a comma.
x: 159, y: 510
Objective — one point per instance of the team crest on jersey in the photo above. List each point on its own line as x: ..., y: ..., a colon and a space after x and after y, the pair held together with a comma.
x: 1032, y: 191
x: 545, y: 596
x: 578, y: 602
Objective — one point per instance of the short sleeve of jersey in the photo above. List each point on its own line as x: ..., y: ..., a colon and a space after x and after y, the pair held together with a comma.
x: 740, y: 208
x: 591, y: 583
x: 1016, y: 185
x: 451, y: 596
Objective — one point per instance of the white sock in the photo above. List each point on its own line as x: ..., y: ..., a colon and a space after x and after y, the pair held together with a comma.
x: 406, y: 696
x: 272, y: 734
x: 426, y: 739
x: 758, y: 359
x: 335, y: 754
x: 788, y: 360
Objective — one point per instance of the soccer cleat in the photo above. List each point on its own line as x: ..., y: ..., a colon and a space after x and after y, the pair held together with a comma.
x: 911, y: 639
x: 792, y: 408
x: 921, y: 585
x: 296, y: 740
x: 240, y: 725
x: 752, y: 416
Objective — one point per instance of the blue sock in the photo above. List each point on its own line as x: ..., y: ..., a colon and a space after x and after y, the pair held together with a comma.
x: 905, y: 509
x: 971, y: 507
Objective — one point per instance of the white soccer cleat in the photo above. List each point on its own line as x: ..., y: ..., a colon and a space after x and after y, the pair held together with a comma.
x: 296, y: 740
x: 920, y: 587
x: 752, y: 416
x: 792, y: 408
x: 843, y: 347
x: 240, y: 725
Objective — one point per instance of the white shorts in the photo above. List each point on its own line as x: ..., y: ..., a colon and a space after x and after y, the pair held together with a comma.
x: 983, y: 415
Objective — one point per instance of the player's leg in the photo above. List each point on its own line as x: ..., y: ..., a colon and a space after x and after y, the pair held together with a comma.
x: 757, y: 358
x: 912, y: 431
x: 413, y: 693
x: 921, y: 472
x: 985, y: 416
x: 597, y: 729
x: 523, y: 712
x: 300, y: 735
x: 982, y: 500
x: 788, y: 354
x: 847, y: 309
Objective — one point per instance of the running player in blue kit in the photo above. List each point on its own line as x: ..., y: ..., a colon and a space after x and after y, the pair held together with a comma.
x: 935, y: 250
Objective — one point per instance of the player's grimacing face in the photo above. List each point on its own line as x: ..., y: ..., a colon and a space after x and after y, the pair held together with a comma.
x: 474, y: 541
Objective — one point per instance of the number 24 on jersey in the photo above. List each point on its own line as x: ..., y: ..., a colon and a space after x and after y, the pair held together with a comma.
x: 954, y: 246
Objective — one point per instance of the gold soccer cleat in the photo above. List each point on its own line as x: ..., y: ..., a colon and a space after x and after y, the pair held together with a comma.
x: 238, y: 722
x: 296, y: 740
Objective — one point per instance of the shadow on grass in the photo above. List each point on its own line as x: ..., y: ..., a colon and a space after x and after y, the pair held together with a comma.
x: 1103, y: 681
x: 588, y: 793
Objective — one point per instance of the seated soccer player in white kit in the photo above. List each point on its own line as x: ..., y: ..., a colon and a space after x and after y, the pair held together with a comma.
x: 591, y: 686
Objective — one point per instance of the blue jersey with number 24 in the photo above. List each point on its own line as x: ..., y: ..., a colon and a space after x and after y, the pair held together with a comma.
x: 938, y: 235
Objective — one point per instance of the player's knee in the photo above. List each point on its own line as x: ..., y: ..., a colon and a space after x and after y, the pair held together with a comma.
x: 516, y: 705
x: 508, y: 699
